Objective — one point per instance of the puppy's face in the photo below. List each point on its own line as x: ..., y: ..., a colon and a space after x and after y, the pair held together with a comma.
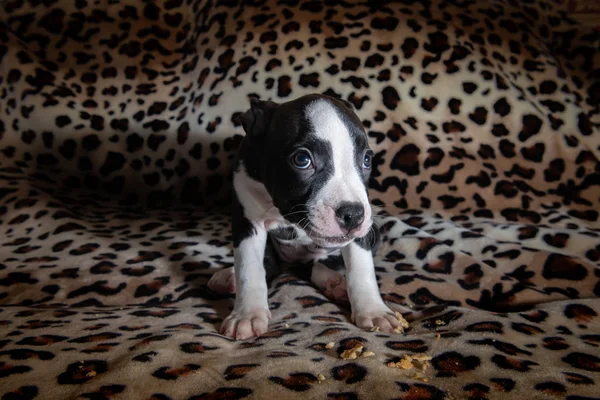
x: 314, y: 160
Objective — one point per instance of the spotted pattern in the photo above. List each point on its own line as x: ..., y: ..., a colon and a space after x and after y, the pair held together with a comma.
x: 118, y: 129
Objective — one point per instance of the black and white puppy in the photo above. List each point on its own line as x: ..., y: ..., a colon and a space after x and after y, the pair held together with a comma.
x: 300, y: 189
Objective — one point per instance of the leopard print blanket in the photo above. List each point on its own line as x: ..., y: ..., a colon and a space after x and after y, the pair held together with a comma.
x: 118, y: 126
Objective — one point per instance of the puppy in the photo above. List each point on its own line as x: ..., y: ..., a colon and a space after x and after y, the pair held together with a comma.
x: 300, y: 197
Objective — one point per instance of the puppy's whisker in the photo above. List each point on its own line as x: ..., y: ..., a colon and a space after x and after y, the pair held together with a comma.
x: 292, y: 213
x: 304, y: 222
x: 300, y: 205
x: 373, y: 236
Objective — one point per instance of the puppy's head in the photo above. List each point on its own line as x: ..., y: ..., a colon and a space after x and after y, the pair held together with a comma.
x: 313, y: 157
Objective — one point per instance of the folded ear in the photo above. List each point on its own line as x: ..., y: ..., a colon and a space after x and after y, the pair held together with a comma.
x: 347, y: 104
x: 257, y: 119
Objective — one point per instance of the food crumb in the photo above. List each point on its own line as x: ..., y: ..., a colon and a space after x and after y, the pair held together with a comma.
x: 321, y: 378
x: 91, y: 373
x: 437, y: 336
x: 329, y: 345
x: 403, y: 323
x: 439, y: 322
x: 367, y: 354
x: 411, y: 361
x: 402, y: 364
x: 375, y: 329
x: 287, y: 325
x: 352, y: 353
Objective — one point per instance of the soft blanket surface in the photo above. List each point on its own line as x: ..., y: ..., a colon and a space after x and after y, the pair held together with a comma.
x: 117, y: 133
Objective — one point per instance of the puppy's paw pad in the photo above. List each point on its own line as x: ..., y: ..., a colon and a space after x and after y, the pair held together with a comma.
x: 383, y: 319
x: 244, y: 325
x: 223, y: 281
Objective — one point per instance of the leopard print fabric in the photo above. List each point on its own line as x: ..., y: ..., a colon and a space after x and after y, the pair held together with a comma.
x: 118, y: 127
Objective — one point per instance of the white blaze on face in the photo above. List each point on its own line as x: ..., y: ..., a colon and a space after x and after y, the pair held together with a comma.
x: 345, y: 185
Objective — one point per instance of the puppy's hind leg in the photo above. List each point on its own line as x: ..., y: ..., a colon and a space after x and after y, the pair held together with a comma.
x: 332, y: 283
x: 223, y: 281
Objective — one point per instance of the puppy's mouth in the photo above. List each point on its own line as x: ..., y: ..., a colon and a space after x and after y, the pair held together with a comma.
x: 322, y: 238
x: 331, y: 241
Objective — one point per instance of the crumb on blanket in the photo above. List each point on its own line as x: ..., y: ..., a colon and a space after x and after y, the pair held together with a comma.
x: 421, y: 378
x: 353, y: 353
x: 410, y: 361
x: 403, y: 323
x: 329, y: 345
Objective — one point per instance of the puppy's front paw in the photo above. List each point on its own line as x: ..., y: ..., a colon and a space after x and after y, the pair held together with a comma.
x: 380, y: 319
x: 242, y: 325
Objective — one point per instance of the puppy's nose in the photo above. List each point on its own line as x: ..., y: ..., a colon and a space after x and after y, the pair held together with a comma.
x: 350, y: 215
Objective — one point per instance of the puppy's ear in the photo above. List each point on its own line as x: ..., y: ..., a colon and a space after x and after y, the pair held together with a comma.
x: 257, y: 119
x: 347, y: 104
x: 344, y: 102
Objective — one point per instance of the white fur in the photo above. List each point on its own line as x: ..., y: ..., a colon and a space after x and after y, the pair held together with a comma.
x: 368, y: 308
x: 251, y: 313
x: 346, y: 183
x: 257, y: 202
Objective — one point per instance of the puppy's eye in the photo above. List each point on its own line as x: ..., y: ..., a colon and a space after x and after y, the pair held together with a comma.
x: 367, y: 160
x: 301, y: 160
